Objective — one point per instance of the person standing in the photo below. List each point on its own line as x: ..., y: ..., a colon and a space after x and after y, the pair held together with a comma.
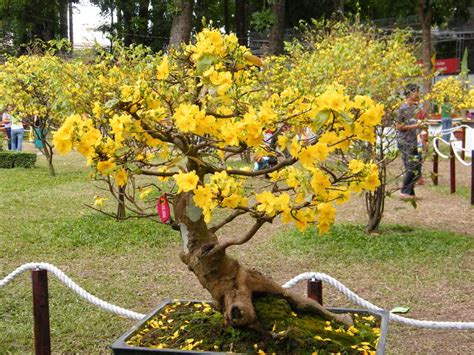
x: 407, y: 131
x: 446, y: 119
x: 6, y: 119
x: 17, y: 131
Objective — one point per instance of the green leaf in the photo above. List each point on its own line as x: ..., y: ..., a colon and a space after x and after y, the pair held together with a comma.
x: 111, y: 103
x: 321, y: 118
x: 400, y: 309
x: 204, y: 63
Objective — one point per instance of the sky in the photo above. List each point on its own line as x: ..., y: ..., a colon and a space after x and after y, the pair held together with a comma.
x: 86, y: 19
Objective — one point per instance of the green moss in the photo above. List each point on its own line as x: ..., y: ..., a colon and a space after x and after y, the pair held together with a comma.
x: 196, y: 326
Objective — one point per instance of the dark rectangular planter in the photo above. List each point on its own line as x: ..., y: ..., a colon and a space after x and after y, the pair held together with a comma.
x: 121, y: 347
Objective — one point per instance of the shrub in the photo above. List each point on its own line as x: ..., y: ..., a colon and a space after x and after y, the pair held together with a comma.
x: 10, y: 160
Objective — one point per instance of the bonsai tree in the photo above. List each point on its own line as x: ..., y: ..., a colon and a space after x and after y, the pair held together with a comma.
x: 172, y: 127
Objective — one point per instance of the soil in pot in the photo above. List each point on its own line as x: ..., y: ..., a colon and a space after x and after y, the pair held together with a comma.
x: 197, y: 326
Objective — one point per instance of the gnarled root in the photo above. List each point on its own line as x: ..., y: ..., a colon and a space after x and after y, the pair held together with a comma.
x: 258, y: 283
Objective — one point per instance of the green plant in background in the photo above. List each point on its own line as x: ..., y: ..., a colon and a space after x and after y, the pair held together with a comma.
x: 10, y: 160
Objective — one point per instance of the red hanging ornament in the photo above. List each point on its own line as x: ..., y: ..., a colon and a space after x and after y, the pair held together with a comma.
x: 163, y: 207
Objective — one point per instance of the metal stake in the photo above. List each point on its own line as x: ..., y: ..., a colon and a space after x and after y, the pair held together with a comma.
x: 41, y: 312
x: 472, y: 178
x: 452, y: 170
x: 435, y: 165
x: 315, y: 290
x: 463, y: 144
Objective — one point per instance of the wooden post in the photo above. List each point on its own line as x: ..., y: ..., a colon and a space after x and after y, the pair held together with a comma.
x: 472, y: 178
x: 315, y: 290
x: 463, y: 144
x: 435, y: 164
x: 41, y: 312
x: 452, y: 169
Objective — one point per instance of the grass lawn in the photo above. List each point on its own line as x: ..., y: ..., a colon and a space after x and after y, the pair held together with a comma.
x: 135, y: 264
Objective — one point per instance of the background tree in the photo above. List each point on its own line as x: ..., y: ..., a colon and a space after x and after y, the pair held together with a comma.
x: 363, y: 61
x: 277, y: 31
x: 181, y: 119
x: 27, y: 20
x: 182, y: 22
x: 37, y: 85
x: 429, y: 12
x: 242, y: 20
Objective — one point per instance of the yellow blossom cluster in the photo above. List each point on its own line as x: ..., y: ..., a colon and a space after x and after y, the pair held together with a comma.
x: 188, y: 113
x: 359, y: 59
x: 454, y: 90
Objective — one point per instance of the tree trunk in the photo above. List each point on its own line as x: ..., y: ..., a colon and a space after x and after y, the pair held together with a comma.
x: 278, y: 30
x: 241, y: 23
x: 119, y: 23
x: 375, y: 200
x: 143, y: 18
x: 63, y: 20
x: 375, y: 203
x: 182, y: 23
x: 230, y: 284
x: 226, y: 16
x: 339, y: 7
x: 121, y: 213
x: 48, y: 153
x: 71, y: 25
x: 127, y: 21
x: 425, y: 15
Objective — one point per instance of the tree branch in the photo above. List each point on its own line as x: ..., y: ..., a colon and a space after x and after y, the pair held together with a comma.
x: 157, y: 173
x: 282, y: 164
x: 227, y: 242
x: 229, y: 219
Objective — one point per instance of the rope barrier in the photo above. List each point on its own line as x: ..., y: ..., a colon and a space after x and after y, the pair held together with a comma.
x: 456, y: 154
x: 73, y: 286
x: 435, y: 146
x: 361, y: 302
x: 460, y: 159
x: 304, y: 276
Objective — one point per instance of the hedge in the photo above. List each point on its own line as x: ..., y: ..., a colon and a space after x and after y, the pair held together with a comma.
x: 10, y: 159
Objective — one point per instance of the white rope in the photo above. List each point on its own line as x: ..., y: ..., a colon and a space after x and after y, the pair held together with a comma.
x: 435, y: 146
x: 361, y: 302
x: 455, y: 150
x: 73, y: 286
x: 460, y: 159
x: 305, y: 276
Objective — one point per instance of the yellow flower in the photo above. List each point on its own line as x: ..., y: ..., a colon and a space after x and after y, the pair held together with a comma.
x: 106, y: 167
x: 186, y: 181
x: 320, y: 182
x: 372, y: 181
x: 266, y: 203
x: 121, y: 177
x: 99, y: 201
x: 356, y: 166
x: 231, y: 201
x: 145, y: 192
x: 62, y: 143
x: 203, y: 198
x: 311, y: 155
x: 163, y: 70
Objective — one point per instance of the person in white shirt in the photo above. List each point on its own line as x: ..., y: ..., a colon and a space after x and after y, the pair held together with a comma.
x: 17, y: 132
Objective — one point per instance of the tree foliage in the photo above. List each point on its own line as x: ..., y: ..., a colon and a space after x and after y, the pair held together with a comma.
x: 185, y: 115
x: 362, y: 61
x: 24, y: 21
x: 41, y: 88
